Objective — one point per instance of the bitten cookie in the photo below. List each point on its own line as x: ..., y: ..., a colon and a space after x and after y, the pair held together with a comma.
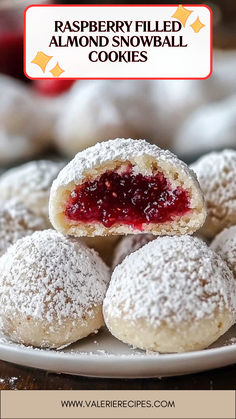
x: 126, y: 186
x: 16, y: 222
x: 51, y: 290
x: 173, y: 295
x: 216, y: 174
x: 30, y: 185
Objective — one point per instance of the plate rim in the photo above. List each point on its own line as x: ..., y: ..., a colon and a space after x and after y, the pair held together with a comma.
x: 52, y: 353
x: 118, y: 366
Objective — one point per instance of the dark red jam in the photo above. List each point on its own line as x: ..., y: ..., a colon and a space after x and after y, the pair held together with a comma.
x: 11, y: 53
x: 127, y: 199
x: 11, y: 40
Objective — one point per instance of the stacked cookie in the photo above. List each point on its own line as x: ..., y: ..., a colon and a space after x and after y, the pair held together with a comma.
x: 169, y: 291
x: 174, y: 258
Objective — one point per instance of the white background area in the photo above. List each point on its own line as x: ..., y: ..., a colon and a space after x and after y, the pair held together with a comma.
x: 163, y: 62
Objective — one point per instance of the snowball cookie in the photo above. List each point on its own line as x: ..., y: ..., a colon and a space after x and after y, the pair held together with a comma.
x: 130, y: 244
x: 16, y: 222
x: 30, y: 184
x: 173, y: 101
x: 24, y: 122
x: 51, y: 290
x: 173, y: 295
x: 216, y: 174
x: 222, y: 82
x: 217, y: 124
x: 126, y: 186
x: 225, y: 245
x: 99, y: 110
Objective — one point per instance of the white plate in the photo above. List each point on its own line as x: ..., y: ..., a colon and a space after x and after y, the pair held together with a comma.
x: 102, y: 355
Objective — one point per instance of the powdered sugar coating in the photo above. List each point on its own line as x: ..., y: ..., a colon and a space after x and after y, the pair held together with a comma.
x: 16, y: 222
x: 128, y: 245
x: 30, y: 184
x: 120, y: 149
x: 225, y: 245
x: 216, y: 174
x: 171, y: 281
x: 51, y: 277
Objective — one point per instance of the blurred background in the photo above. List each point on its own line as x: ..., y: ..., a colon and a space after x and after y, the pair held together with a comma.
x: 55, y: 117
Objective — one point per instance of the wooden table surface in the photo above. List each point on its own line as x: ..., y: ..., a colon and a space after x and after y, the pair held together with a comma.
x: 14, y: 377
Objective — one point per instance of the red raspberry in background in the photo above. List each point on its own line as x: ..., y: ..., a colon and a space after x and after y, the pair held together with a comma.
x: 52, y: 87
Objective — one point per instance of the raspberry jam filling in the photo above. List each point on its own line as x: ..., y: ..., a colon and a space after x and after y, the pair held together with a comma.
x: 127, y: 199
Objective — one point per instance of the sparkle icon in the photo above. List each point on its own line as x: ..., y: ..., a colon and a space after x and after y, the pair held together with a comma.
x: 197, y: 25
x: 57, y: 70
x: 41, y: 60
x: 182, y: 14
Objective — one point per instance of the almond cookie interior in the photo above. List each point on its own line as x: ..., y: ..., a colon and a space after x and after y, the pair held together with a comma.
x: 126, y: 186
